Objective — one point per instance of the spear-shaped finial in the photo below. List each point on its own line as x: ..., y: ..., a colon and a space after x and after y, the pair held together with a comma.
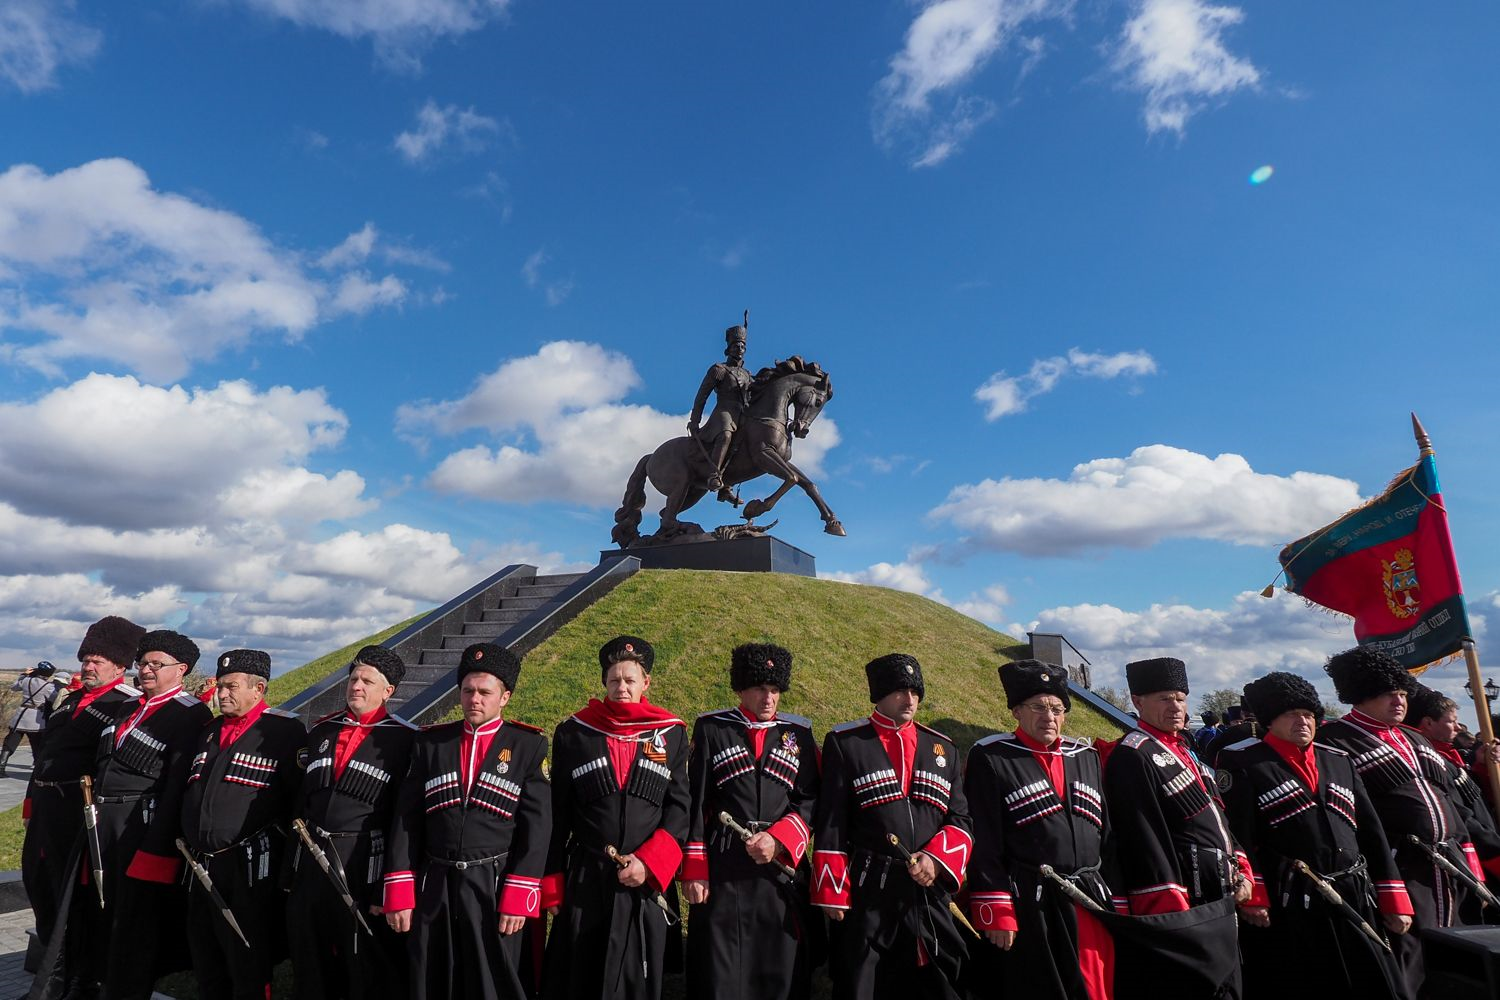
x: 1424, y: 443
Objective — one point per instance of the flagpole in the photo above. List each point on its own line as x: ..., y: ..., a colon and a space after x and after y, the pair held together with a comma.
x: 1471, y: 658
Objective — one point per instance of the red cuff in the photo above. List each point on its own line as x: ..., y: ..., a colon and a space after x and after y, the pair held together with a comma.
x: 1243, y: 861
x: 1472, y: 857
x: 154, y: 868
x: 831, y: 879
x: 1392, y: 899
x: 993, y: 911
x: 400, y: 892
x: 1258, y: 894
x: 951, y: 849
x: 1492, y: 865
x: 521, y: 897
x: 1168, y: 897
x: 791, y: 832
x: 662, y: 856
x: 695, y: 862
x: 552, y: 889
x: 26, y: 808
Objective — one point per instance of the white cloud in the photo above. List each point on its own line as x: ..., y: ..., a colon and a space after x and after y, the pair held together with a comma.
x: 104, y: 266
x: 401, y: 30
x: 108, y: 450
x: 1003, y: 395
x: 39, y: 37
x: 911, y: 576
x: 1173, y: 51
x: 571, y: 436
x: 555, y: 290
x: 1155, y: 493
x: 920, y: 102
x: 1223, y: 647
x: 438, y: 128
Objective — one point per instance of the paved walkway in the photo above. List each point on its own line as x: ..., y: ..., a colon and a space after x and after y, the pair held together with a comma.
x: 13, y: 786
x: 15, y: 980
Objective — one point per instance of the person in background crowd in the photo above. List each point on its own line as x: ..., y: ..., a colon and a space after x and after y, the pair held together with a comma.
x: 749, y: 934
x: 37, y: 686
x: 1037, y: 799
x: 889, y: 775
x: 54, y: 849
x: 241, y: 785
x: 1289, y: 801
x: 1210, y: 729
x: 354, y: 761
x: 468, y: 848
x: 619, y: 769
x: 1412, y: 788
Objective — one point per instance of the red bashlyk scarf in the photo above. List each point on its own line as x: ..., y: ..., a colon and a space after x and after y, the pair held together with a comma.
x: 625, y: 719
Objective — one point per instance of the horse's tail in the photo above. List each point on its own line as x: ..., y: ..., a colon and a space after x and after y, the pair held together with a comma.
x: 628, y: 517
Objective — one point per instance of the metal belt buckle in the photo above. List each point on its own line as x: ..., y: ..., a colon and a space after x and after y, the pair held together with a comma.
x: 461, y: 865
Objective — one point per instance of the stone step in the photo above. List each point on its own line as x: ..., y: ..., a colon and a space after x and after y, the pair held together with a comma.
x: 441, y: 657
x: 546, y: 593
x: 475, y: 631
x: 503, y: 617
x: 521, y: 603
x: 560, y: 580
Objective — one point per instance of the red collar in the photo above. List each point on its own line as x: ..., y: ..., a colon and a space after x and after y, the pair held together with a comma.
x: 1364, y: 721
x: 92, y: 695
x: 485, y: 729
x: 364, y: 721
x: 891, y: 724
x: 234, y: 728
x: 1170, y: 739
x: 1303, y: 760
x: 1033, y: 745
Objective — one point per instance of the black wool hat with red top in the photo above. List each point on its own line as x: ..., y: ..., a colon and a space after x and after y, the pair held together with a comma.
x: 1028, y: 678
x: 894, y: 672
x: 113, y: 638
x: 390, y: 665
x: 1279, y: 692
x: 244, y: 661
x: 622, y: 648
x: 1362, y: 673
x: 757, y: 663
x: 491, y: 658
x: 176, y: 645
x: 1164, y: 673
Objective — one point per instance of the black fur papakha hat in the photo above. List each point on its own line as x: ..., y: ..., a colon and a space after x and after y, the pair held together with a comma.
x: 1362, y: 673
x: 625, y: 647
x: 893, y: 672
x: 245, y: 661
x: 1279, y: 692
x: 113, y: 638
x: 1425, y: 703
x: 390, y: 665
x: 1027, y: 678
x: 491, y: 658
x: 176, y: 645
x: 757, y: 663
x: 1165, y: 673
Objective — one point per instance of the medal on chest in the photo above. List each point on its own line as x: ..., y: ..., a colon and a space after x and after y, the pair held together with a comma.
x: 504, y: 766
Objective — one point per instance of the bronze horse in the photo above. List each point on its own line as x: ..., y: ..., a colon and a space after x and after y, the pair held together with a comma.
x: 679, y: 468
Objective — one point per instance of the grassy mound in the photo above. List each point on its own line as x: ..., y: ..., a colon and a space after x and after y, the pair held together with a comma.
x: 693, y: 619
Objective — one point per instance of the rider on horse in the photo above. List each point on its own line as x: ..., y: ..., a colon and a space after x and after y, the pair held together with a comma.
x: 730, y: 383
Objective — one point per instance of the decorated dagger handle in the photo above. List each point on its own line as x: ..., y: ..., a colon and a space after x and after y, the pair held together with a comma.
x: 1070, y: 890
x: 911, y: 862
x: 745, y: 835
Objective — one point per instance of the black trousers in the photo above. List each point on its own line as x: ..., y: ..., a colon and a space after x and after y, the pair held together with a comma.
x: 246, y: 876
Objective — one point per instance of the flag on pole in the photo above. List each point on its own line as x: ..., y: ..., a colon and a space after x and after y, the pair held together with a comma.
x: 1389, y: 565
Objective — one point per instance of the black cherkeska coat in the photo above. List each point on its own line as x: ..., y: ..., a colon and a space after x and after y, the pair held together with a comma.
x: 609, y: 941
x: 236, y: 813
x: 1412, y: 798
x: 1020, y: 824
x: 1312, y: 946
x: 472, y: 854
x: 54, y: 829
x: 348, y: 817
x: 751, y: 940
x: 896, y: 938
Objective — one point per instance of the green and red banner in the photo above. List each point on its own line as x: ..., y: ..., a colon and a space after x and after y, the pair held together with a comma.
x: 1390, y: 566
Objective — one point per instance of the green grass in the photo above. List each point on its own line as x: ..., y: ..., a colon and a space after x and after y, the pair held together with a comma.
x: 694, y: 618
x: 11, y: 835
x: 295, y: 680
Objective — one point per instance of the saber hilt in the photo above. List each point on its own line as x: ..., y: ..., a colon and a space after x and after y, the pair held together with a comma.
x: 1326, y: 889
x: 206, y: 880
x: 651, y: 894
x: 1070, y: 890
x: 1486, y: 898
x: 911, y: 862
x: 745, y: 835
x: 91, y: 828
x: 338, y: 883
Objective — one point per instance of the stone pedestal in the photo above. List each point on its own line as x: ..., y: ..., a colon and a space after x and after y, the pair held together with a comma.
x: 741, y: 555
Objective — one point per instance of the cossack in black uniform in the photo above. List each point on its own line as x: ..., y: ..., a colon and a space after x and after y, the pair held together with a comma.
x: 353, y: 766
x: 242, y: 783
x: 468, y: 844
x: 753, y: 938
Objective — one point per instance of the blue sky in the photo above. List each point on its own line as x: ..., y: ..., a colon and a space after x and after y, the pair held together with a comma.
x: 313, y: 314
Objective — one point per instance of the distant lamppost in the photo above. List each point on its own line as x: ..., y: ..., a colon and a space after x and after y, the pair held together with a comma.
x: 1491, y: 690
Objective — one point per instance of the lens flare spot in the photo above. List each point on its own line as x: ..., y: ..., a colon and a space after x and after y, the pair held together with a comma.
x: 1261, y: 174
